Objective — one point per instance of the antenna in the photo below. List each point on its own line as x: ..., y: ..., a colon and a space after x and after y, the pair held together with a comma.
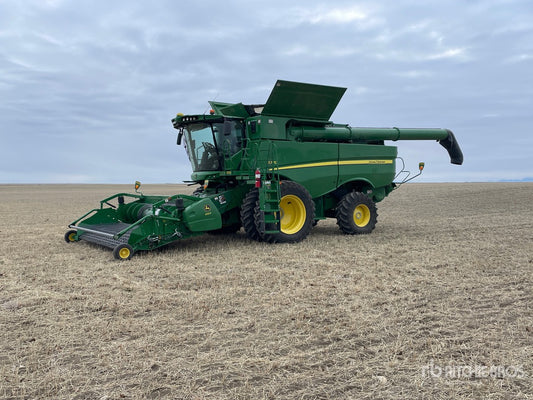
x: 209, y: 108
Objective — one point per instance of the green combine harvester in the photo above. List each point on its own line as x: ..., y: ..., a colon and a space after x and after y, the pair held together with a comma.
x: 273, y: 169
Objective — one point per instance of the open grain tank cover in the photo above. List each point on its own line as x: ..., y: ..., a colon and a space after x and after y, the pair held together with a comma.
x: 303, y: 100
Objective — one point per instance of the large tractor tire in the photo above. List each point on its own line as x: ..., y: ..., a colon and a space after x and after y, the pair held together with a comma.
x: 250, y: 202
x: 356, y: 214
x: 297, y: 214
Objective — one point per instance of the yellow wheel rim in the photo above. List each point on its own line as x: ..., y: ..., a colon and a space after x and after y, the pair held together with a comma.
x: 72, y: 237
x: 124, y: 252
x: 293, y: 214
x: 361, y: 215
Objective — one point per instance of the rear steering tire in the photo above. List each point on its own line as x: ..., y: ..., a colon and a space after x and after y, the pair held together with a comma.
x: 356, y: 214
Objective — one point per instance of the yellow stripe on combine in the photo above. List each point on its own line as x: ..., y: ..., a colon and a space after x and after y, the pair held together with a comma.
x: 336, y: 163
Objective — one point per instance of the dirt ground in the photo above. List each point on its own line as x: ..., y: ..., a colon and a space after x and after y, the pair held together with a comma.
x: 436, y: 303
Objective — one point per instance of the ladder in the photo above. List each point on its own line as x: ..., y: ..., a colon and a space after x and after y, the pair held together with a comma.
x: 269, y: 192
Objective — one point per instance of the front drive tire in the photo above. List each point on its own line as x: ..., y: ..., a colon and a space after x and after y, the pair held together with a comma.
x: 356, y: 214
x: 297, y: 210
x: 250, y: 202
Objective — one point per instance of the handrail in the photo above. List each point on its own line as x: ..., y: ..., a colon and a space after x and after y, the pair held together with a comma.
x: 83, y: 216
x: 136, y: 196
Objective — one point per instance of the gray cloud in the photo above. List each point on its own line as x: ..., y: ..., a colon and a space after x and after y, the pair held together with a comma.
x: 88, y: 88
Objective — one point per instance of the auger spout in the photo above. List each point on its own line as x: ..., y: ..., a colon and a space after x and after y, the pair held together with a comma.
x: 345, y: 133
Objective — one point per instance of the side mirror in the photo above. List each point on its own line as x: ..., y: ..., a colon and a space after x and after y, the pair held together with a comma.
x: 180, y: 136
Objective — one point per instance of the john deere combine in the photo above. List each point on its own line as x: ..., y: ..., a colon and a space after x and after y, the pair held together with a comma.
x: 273, y: 169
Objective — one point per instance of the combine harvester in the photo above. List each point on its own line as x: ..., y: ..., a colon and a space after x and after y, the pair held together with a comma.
x: 273, y: 169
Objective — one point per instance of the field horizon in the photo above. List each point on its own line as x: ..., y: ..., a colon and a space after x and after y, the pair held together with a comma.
x: 521, y: 180
x: 435, y: 303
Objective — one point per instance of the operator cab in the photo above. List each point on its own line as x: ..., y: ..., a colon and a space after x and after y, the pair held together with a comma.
x: 209, y: 142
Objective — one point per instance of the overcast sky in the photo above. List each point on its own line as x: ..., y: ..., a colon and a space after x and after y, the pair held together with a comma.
x: 88, y: 88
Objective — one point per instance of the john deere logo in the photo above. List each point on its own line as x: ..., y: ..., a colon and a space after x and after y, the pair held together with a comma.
x: 207, y: 209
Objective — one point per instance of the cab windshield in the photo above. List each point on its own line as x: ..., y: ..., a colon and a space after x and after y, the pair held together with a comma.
x: 207, y: 144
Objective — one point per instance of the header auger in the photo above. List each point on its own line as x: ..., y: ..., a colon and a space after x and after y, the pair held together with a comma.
x: 273, y: 169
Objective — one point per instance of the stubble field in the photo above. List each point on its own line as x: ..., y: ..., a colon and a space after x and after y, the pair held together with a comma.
x: 436, y: 303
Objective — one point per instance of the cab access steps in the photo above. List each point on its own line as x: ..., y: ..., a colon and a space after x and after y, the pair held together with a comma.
x: 269, y: 191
